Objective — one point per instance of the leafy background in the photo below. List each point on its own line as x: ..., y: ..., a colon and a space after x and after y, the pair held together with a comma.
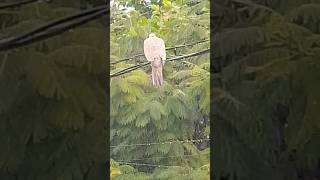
x: 265, y: 93
x: 265, y: 105
x: 53, y: 97
x: 179, y: 110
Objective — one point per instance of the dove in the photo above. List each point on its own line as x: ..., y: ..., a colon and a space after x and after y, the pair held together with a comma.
x: 155, y: 53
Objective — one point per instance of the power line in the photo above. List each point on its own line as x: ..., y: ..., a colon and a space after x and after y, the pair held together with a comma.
x: 53, y: 28
x: 84, y: 16
x: 170, y: 48
x: 161, y: 157
x: 129, y: 69
x: 186, y: 45
x: 55, y: 23
x: 18, y: 3
x: 149, y: 165
x: 157, y: 143
x: 127, y: 59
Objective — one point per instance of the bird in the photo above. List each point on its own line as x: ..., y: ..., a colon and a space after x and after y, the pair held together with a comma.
x: 155, y: 53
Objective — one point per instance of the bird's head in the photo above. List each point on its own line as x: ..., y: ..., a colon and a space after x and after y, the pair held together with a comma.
x: 152, y: 35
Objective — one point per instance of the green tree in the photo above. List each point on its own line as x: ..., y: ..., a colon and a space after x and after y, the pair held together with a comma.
x: 52, y: 99
x: 179, y: 110
x: 266, y: 97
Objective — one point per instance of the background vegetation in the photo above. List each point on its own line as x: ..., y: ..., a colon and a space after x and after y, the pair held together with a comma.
x: 179, y: 110
x: 52, y: 97
x: 265, y: 93
x: 266, y: 89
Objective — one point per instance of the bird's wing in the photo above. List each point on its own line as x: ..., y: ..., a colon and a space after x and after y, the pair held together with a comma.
x: 147, y: 48
x: 162, y: 50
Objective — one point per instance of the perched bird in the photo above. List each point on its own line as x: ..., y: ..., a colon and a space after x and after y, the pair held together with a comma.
x: 155, y: 52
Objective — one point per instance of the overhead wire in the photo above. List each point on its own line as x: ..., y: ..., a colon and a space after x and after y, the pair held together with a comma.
x: 134, y: 67
x: 165, y: 142
x: 187, y: 45
x: 53, y: 28
x: 170, y: 48
x: 149, y: 165
x: 18, y: 3
x: 161, y: 157
x: 129, y: 161
x: 56, y: 22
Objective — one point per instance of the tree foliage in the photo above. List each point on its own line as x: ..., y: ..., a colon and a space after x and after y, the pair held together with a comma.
x: 52, y: 98
x: 179, y: 110
x: 265, y: 106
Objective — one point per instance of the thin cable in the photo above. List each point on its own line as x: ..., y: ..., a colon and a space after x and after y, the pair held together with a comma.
x: 53, y: 28
x: 170, y: 48
x: 57, y: 22
x: 157, y: 143
x: 187, y: 45
x: 150, y: 165
x: 58, y: 29
x: 129, y: 69
x: 18, y: 3
x: 162, y: 157
x: 127, y: 59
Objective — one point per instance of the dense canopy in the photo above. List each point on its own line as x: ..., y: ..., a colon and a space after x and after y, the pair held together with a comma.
x: 266, y: 89
x: 177, y: 111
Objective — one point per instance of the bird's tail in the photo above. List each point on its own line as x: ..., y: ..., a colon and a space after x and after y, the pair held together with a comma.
x: 157, y: 79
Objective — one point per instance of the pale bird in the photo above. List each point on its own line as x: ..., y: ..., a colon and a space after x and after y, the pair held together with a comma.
x: 155, y: 52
